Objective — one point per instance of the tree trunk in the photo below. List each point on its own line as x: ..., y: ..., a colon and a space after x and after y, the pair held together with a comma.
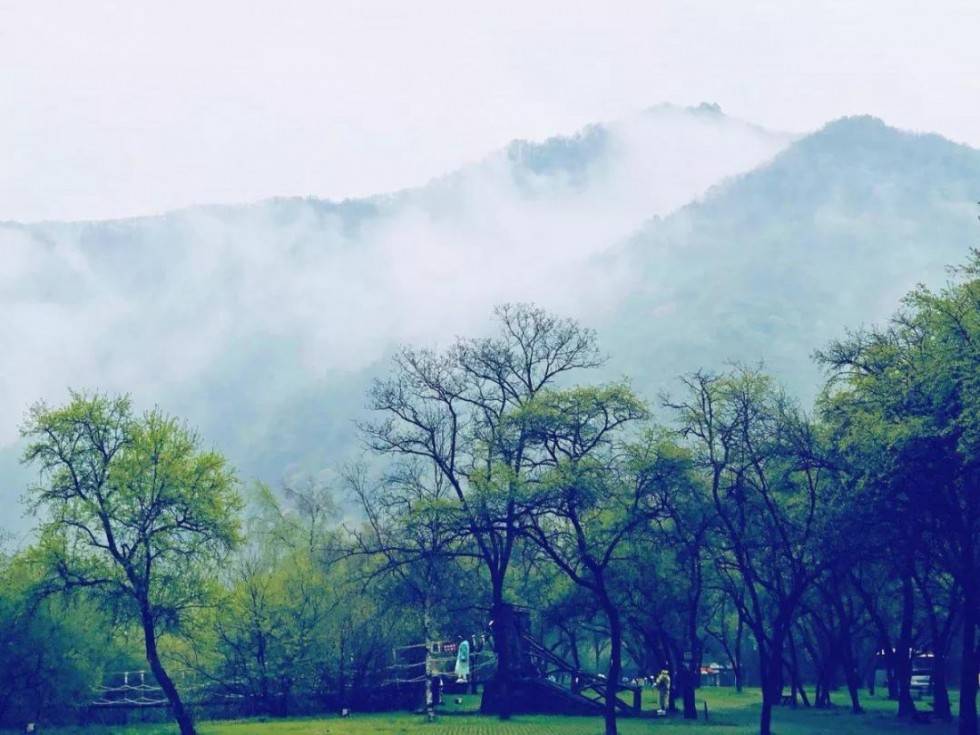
x: 796, y: 686
x: 848, y: 661
x: 263, y: 674
x: 497, y: 691
x: 968, y: 670
x: 573, y: 648
x: 673, y: 657
x: 615, y: 664
x: 737, y: 659
x: 940, y: 647
x: 184, y: 720
x: 688, y: 680
x: 768, y: 697
x: 853, y: 685
x: 692, y: 665
x: 428, y: 696
x: 892, y: 676
x: 823, y: 665
x: 940, y: 689
x: 770, y: 673
x: 903, y: 653
x: 342, y: 673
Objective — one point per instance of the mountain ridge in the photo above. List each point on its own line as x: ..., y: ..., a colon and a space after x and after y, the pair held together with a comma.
x: 263, y: 327
x: 517, y: 151
x: 827, y: 235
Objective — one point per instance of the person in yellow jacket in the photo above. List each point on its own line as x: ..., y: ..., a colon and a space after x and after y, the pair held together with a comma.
x: 662, y: 684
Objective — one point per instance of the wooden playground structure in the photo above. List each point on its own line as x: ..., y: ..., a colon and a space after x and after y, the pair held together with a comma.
x: 540, y: 680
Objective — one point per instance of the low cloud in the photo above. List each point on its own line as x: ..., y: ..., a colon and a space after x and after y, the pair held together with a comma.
x: 234, y: 316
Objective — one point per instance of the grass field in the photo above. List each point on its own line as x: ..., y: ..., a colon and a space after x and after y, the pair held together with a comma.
x: 729, y: 714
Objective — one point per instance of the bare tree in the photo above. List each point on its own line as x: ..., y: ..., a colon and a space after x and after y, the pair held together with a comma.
x: 452, y: 410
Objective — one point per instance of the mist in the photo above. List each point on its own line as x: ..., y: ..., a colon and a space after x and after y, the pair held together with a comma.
x: 244, y: 318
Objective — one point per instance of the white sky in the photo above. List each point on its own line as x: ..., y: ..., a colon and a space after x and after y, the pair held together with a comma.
x: 117, y: 108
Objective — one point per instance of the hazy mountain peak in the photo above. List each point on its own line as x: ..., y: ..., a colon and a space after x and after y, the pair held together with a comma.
x: 703, y: 108
x: 569, y: 154
x: 873, y: 139
x: 850, y: 165
x: 242, y: 318
x: 774, y: 263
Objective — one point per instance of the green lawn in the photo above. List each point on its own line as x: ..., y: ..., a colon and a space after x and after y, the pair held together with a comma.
x: 729, y: 714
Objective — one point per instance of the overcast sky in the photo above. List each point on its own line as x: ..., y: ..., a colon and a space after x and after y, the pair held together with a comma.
x: 110, y: 109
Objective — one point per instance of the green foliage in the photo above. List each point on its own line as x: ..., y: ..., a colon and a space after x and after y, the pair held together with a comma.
x: 133, y: 507
x: 904, y: 410
x: 53, y: 650
x: 135, y: 513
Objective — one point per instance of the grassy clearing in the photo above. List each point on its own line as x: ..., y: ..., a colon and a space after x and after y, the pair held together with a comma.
x: 729, y: 714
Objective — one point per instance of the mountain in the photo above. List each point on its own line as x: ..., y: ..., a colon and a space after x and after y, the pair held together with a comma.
x: 773, y: 264
x: 685, y: 237
x: 262, y: 324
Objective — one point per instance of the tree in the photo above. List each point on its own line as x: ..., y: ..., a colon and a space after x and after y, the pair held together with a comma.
x: 598, y: 489
x: 941, y: 600
x: 916, y: 383
x: 686, y: 535
x: 667, y: 588
x: 758, y: 457
x: 412, y: 530
x: 261, y: 643
x: 728, y: 632
x: 412, y: 527
x: 833, y: 626
x: 136, y: 513
x: 452, y: 410
x: 268, y: 628
x: 53, y: 648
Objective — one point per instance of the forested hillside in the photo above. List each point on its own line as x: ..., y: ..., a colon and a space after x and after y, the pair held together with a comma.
x: 771, y: 265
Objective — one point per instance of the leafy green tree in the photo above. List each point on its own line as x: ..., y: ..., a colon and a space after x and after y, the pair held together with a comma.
x: 885, y: 519
x: 413, y: 528
x: 834, y: 625
x: 726, y: 628
x: 684, y: 539
x: 270, y: 629
x: 360, y: 634
x: 758, y: 457
x: 135, y: 512
x: 915, y: 386
x: 597, y: 491
x: 941, y: 606
x: 53, y: 648
x: 304, y: 624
